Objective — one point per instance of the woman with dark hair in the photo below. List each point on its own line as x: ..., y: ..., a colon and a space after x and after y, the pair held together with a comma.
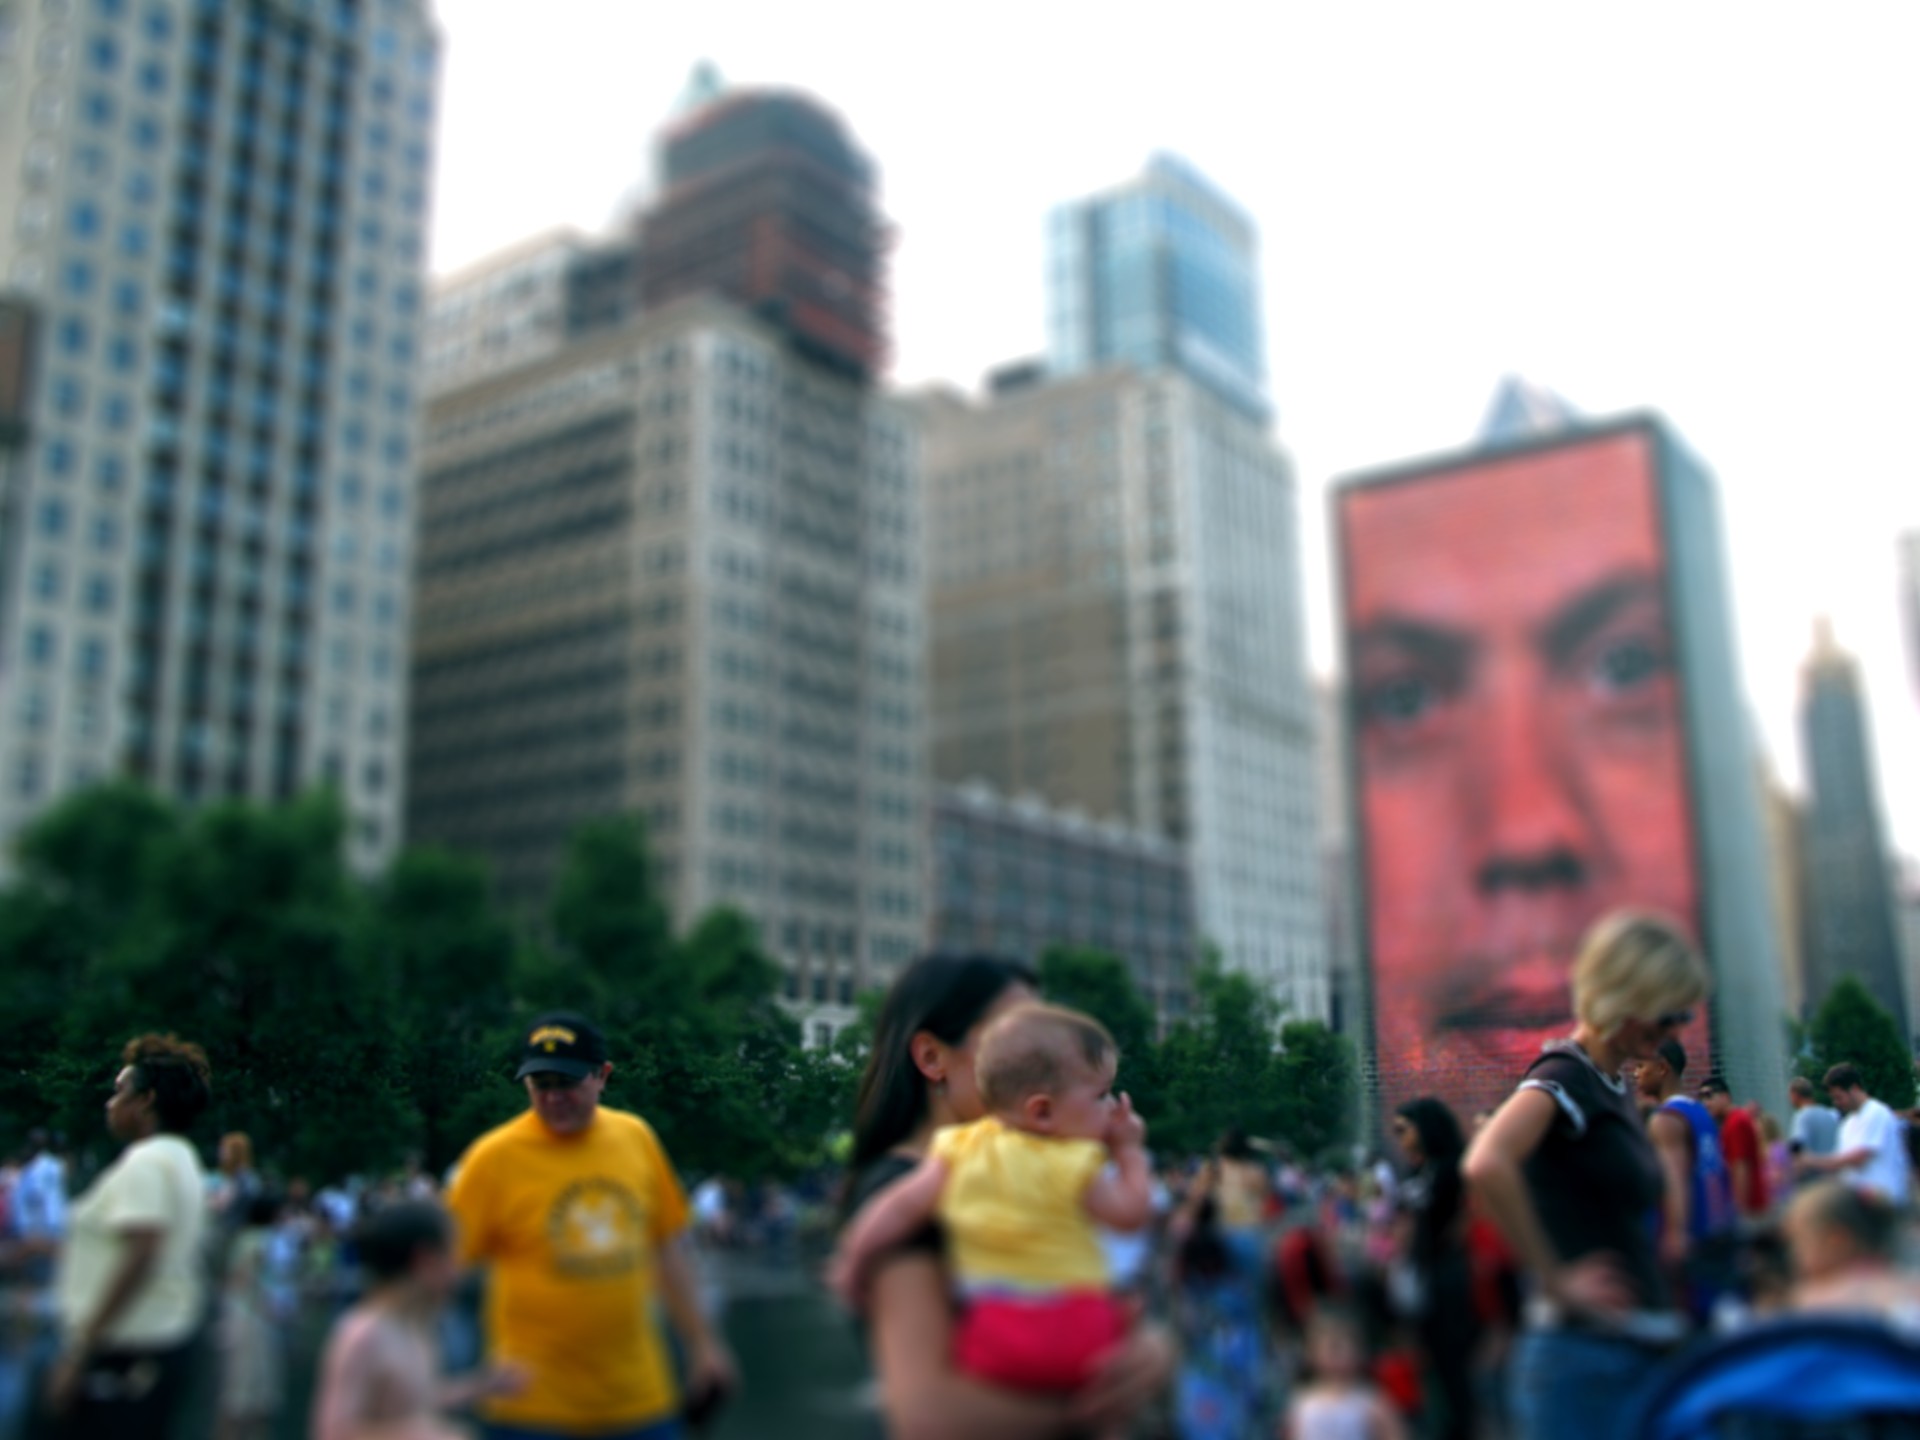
x: 1437, y: 1294
x: 131, y: 1292
x: 919, y: 1078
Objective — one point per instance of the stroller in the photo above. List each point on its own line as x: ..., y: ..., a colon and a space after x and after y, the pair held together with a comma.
x: 1801, y: 1378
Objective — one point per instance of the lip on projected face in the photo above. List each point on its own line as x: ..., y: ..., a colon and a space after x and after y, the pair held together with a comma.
x: 1528, y: 994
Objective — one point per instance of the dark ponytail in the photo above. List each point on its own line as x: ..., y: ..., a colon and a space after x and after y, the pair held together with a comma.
x: 944, y: 995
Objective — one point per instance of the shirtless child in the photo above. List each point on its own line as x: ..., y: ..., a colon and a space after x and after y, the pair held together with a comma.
x: 380, y: 1378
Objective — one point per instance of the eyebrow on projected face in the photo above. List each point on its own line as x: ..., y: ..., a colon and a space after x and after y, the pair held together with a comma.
x: 1585, y: 616
x: 1397, y: 637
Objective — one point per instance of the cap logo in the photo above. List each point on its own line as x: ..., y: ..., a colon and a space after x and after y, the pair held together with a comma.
x: 549, y: 1037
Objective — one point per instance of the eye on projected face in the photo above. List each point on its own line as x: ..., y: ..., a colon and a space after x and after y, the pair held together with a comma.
x: 1516, y: 719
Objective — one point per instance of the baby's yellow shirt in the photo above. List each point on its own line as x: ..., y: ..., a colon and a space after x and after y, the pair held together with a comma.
x: 1012, y: 1208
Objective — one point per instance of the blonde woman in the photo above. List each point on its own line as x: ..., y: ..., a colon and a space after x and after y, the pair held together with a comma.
x: 1565, y: 1168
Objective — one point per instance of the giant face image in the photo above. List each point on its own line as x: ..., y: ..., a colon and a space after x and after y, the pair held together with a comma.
x: 1518, y: 747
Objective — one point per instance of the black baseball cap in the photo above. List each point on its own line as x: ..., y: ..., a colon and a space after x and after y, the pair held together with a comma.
x: 562, y: 1043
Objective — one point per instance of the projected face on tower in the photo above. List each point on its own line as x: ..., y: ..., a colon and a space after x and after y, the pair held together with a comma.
x: 1518, y: 742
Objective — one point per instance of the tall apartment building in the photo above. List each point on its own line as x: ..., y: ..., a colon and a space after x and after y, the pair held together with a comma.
x: 1910, y: 599
x: 1849, y: 865
x: 673, y: 567
x: 216, y: 210
x: 1784, y: 821
x: 767, y: 201
x: 1339, y: 858
x: 525, y: 303
x: 1159, y: 273
x: 1018, y: 877
x: 1116, y: 627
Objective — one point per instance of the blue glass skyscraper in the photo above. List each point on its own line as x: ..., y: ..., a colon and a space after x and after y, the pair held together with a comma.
x: 1159, y: 274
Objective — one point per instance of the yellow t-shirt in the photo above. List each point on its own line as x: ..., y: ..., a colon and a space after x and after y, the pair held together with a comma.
x: 571, y: 1228
x: 1012, y: 1208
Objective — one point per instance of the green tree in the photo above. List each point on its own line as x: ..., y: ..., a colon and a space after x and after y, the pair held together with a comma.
x: 1852, y: 1026
x: 1102, y: 985
x: 1218, y: 1067
x: 1317, y: 1084
x: 80, y: 872
x: 244, y: 937
x: 447, y: 957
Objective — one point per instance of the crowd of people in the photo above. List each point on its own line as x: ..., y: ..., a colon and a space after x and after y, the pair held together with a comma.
x: 1016, y: 1262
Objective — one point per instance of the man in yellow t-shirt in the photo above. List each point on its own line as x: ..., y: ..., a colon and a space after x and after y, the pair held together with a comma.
x: 576, y: 1211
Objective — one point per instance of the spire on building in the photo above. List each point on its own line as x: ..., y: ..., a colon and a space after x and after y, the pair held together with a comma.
x: 704, y: 86
x: 1522, y: 410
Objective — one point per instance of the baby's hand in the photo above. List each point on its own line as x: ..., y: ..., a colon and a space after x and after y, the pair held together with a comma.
x: 1125, y: 1129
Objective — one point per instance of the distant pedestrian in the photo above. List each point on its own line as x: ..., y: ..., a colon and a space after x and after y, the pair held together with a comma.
x: 131, y: 1284
x: 1338, y: 1402
x: 1816, y: 1127
x: 1698, y: 1217
x: 251, y: 1329
x: 1741, y: 1147
x: 1871, y: 1152
x: 1437, y: 1300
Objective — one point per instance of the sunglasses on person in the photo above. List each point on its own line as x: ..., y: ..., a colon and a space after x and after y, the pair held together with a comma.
x: 1674, y: 1019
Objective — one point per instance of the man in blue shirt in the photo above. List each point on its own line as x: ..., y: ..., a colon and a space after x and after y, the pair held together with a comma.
x: 1697, y: 1226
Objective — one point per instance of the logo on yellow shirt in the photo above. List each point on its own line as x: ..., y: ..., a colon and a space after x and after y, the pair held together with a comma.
x: 597, y: 1228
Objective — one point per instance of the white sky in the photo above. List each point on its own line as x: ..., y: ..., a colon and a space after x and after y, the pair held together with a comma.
x: 1708, y: 209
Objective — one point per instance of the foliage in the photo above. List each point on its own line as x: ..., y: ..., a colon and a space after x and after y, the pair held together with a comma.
x: 1234, y: 1063
x: 1852, y: 1026
x: 357, y: 1023
x: 1103, y: 986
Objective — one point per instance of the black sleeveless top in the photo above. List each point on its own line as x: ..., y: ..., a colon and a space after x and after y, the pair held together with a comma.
x: 1596, y: 1179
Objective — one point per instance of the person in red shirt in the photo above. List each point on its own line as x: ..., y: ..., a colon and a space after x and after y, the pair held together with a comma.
x: 1740, y: 1146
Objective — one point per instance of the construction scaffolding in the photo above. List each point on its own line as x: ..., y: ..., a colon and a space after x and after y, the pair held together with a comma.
x: 768, y: 203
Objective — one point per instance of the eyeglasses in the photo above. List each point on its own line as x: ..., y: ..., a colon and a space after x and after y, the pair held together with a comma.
x: 1674, y: 1019
x: 549, y: 1080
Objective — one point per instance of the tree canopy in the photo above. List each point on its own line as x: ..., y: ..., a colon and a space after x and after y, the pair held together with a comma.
x: 1852, y: 1026
x: 358, y: 1023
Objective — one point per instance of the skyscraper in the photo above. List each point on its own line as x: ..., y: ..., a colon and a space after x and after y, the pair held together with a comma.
x: 1910, y: 599
x: 216, y: 210
x: 672, y: 568
x: 1849, y: 867
x: 1116, y: 627
x: 525, y: 303
x: 1160, y: 273
x: 767, y: 201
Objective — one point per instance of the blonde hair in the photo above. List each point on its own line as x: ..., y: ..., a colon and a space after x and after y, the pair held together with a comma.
x: 1635, y: 966
x: 1035, y: 1050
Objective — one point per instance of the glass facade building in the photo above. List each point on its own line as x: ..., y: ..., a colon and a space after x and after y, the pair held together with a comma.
x: 1853, y: 917
x: 1161, y: 273
x: 216, y: 210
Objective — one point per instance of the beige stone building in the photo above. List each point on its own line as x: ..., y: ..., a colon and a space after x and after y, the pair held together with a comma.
x: 674, y: 569
x: 1114, y: 600
x: 1788, y: 880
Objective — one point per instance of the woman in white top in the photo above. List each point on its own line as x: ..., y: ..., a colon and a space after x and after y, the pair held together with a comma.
x: 130, y: 1288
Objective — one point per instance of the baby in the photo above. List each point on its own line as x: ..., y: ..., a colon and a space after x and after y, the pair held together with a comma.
x: 1019, y: 1195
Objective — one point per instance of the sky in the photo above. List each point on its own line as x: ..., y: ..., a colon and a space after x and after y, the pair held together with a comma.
x: 1709, y: 210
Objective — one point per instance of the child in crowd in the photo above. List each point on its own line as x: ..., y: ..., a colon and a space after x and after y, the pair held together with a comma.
x: 380, y: 1376
x: 1020, y: 1194
x: 251, y: 1335
x: 1337, y: 1402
